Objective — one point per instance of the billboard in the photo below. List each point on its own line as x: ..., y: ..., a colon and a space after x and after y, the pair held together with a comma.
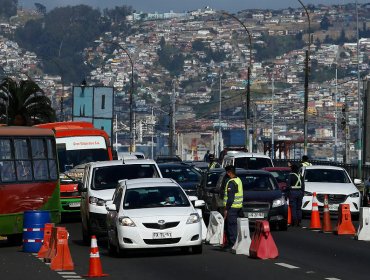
x: 94, y: 105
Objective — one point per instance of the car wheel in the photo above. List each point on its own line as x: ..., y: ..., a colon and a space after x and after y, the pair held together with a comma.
x: 112, y: 251
x: 85, y: 236
x: 355, y: 217
x: 197, y: 249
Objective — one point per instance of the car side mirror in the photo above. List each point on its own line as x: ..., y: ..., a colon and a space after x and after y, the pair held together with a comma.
x: 80, y: 187
x: 357, y: 181
x: 110, y: 206
x: 199, y: 203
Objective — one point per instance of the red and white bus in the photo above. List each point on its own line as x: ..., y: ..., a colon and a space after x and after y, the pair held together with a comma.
x: 77, y: 143
x: 28, y: 177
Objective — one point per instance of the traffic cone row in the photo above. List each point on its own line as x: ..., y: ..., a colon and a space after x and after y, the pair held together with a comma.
x: 344, y: 225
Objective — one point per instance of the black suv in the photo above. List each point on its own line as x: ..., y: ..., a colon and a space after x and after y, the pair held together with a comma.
x: 263, y: 200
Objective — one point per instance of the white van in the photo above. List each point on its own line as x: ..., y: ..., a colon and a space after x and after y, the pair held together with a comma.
x: 247, y: 160
x: 99, y: 183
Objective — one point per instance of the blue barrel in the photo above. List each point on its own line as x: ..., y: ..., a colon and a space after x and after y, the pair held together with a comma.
x: 33, y: 229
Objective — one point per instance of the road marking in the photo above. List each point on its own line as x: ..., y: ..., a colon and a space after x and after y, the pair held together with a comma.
x: 67, y: 272
x: 332, y: 278
x: 287, y: 265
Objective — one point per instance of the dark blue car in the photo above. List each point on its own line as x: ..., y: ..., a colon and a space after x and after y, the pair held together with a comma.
x: 263, y: 199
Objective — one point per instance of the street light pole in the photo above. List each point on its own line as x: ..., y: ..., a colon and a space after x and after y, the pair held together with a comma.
x: 305, y: 112
x: 132, y: 139
x: 359, y: 155
x: 248, y: 97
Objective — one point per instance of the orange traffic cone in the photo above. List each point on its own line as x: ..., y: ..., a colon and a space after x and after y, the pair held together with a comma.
x: 345, y: 225
x: 95, y: 269
x: 326, y: 222
x: 289, y: 213
x: 315, y: 215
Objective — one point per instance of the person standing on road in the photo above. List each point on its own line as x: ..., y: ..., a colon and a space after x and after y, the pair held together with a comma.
x: 206, y: 157
x: 295, y: 194
x: 212, y: 162
x: 233, y: 203
x: 305, y: 161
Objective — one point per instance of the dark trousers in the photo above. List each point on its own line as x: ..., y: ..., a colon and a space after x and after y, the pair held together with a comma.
x: 232, y: 225
x: 295, y: 202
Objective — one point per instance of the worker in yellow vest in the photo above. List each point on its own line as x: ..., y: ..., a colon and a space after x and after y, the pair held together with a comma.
x: 305, y: 161
x: 233, y: 203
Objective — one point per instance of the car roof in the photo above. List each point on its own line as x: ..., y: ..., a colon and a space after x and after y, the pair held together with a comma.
x: 313, y: 167
x: 174, y: 164
x: 244, y: 154
x: 121, y: 162
x: 251, y: 171
x: 148, y: 182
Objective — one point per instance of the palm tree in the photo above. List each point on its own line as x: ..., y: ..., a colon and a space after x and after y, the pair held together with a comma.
x: 24, y: 103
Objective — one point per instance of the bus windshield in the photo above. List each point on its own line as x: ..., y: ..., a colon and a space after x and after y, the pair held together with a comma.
x: 70, y: 158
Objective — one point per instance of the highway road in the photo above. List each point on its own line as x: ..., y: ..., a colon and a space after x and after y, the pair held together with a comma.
x: 303, y: 254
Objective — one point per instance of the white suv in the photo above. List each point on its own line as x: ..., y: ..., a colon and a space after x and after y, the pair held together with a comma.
x: 247, y: 160
x: 333, y: 181
x: 99, y: 183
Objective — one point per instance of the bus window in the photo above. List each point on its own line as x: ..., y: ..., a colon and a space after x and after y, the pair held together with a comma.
x: 22, y: 160
x: 40, y: 163
x: 53, y: 172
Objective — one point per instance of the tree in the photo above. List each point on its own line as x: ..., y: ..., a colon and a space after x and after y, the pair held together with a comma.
x: 27, y: 103
x: 8, y: 8
x: 40, y: 8
x: 325, y: 23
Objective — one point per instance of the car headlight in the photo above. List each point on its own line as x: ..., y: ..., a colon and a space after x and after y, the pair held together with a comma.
x: 278, y: 202
x: 356, y: 194
x: 96, y: 201
x: 193, y: 218
x: 126, y: 222
x: 307, y: 193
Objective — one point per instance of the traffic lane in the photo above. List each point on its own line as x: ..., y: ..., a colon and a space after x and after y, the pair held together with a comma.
x: 172, y: 263
x: 340, y: 256
x: 16, y: 264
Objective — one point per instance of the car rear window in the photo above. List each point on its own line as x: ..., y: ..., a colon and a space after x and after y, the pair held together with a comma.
x: 252, y: 162
x: 107, y: 177
x: 258, y: 182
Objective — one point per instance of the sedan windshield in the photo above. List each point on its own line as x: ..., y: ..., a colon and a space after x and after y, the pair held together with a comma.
x: 155, y: 197
x: 107, y: 177
x: 326, y: 175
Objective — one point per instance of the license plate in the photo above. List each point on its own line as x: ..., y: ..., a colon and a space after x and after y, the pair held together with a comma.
x: 74, y: 204
x: 255, y: 215
x: 161, y: 235
x: 333, y: 207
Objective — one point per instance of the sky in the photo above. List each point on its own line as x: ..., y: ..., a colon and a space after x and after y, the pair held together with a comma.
x: 184, y: 5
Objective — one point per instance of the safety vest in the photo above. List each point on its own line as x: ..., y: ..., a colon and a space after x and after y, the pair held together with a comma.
x: 306, y: 163
x: 212, y: 165
x: 298, y: 183
x: 238, y: 199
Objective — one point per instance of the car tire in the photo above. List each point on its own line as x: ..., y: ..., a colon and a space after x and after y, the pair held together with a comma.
x: 356, y: 217
x: 197, y: 249
x: 112, y: 251
x: 86, y: 236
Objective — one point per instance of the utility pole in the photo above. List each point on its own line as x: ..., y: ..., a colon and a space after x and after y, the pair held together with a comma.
x: 172, y: 129
x: 305, y: 117
x: 219, y: 117
x: 359, y: 143
x: 336, y: 115
x: 272, y: 118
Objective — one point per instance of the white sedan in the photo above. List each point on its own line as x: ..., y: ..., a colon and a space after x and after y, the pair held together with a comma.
x: 333, y: 181
x: 152, y: 213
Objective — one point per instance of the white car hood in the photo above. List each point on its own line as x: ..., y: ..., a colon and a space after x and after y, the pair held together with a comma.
x: 160, y: 212
x: 103, y: 194
x: 330, y: 188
